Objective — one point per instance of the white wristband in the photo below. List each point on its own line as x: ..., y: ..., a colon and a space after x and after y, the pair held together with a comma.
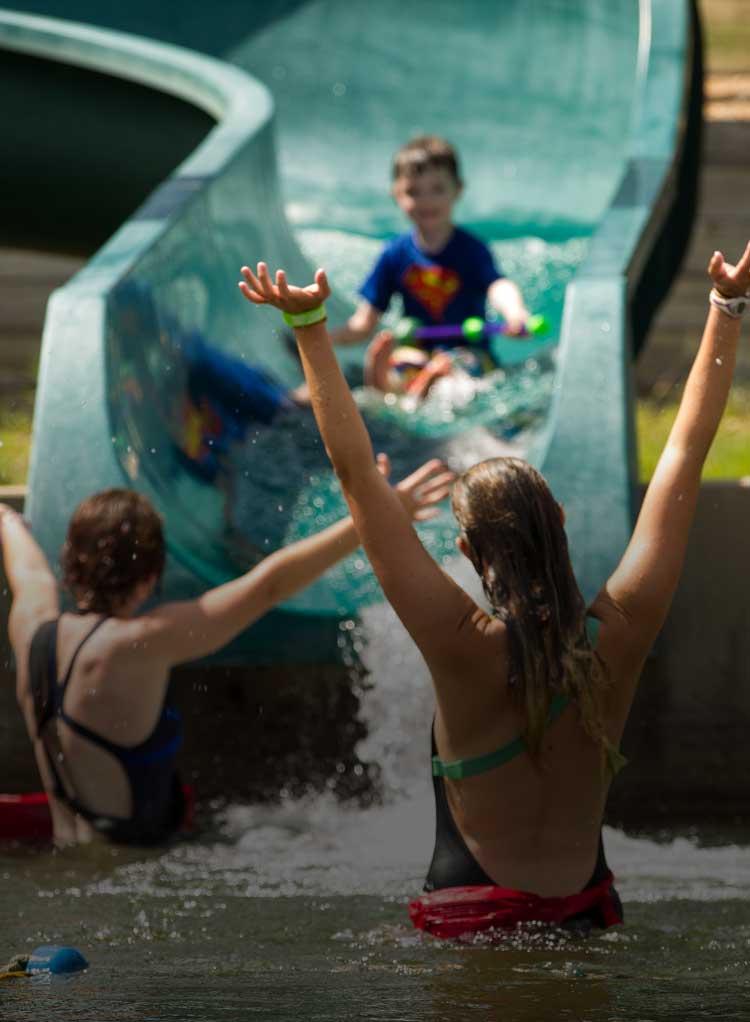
x: 733, y: 307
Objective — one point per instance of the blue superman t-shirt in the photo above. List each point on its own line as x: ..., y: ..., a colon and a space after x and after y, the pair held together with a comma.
x: 437, y: 287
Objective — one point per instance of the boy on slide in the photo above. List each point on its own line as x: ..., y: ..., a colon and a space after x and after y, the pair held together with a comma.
x: 443, y: 273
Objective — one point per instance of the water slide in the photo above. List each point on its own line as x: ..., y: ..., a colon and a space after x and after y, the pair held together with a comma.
x: 270, y: 137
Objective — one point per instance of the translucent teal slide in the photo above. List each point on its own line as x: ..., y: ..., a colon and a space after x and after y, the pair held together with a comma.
x: 576, y: 125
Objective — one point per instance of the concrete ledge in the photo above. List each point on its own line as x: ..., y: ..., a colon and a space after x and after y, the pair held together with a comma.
x: 15, y: 496
x: 687, y: 739
x: 726, y: 140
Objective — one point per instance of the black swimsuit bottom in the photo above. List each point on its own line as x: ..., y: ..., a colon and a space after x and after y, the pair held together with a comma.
x: 453, y: 865
x: 156, y: 793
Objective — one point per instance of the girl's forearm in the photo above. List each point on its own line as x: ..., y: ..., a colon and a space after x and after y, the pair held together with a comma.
x: 708, y: 385
x: 277, y: 578
x: 22, y: 555
x: 293, y: 568
x: 344, y: 433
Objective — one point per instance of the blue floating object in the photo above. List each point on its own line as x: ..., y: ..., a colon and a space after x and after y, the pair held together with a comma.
x: 56, y: 959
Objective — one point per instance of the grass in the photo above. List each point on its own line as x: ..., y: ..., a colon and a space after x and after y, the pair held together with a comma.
x: 729, y: 457
x: 726, y: 29
x: 15, y: 443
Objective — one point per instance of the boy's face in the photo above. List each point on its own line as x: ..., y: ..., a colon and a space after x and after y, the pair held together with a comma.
x: 427, y: 198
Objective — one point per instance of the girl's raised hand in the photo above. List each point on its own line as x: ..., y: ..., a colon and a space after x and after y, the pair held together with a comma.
x: 261, y: 290
x: 731, y: 281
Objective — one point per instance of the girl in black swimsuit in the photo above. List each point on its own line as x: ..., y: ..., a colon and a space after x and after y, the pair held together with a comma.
x: 104, y: 734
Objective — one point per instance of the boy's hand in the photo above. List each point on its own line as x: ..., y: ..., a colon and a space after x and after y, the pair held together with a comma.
x: 430, y: 484
x: 731, y: 281
x: 515, y: 320
x: 261, y: 290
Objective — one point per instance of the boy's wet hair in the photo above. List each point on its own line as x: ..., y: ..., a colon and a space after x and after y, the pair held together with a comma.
x: 427, y: 152
x: 114, y: 543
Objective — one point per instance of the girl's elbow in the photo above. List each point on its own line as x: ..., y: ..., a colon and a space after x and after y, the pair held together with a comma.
x: 344, y: 474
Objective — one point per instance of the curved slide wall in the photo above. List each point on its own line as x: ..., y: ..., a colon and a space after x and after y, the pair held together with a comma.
x: 566, y: 136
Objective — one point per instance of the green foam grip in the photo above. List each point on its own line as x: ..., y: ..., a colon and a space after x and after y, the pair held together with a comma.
x: 473, y: 329
x: 537, y: 325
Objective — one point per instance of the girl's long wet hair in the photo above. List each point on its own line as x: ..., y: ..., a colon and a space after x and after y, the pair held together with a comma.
x: 115, y: 541
x: 517, y: 543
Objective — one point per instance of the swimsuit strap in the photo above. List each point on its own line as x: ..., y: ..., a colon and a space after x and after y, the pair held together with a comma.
x: 62, y: 684
x: 48, y: 705
x: 125, y: 754
x: 121, y: 752
x: 474, y: 765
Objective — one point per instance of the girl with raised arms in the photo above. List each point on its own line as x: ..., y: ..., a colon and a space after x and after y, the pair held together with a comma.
x: 92, y: 683
x: 532, y: 697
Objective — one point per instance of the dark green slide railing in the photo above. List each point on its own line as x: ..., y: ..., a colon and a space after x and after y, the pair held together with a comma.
x: 170, y: 166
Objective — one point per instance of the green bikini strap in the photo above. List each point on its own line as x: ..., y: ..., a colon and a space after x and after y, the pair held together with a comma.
x: 461, y: 768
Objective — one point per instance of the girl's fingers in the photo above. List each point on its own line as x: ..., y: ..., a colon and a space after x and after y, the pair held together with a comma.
x: 743, y: 266
x: 384, y: 464
x: 264, y: 278
x: 424, y: 472
x: 436, y: 496
x: 251, y: 279
x: 715, y: 263
x: 253, y: 296
x: 267, y: 291
x: 425, y: 514
x: 281, y: 285
x: 323, y: 287
x: 444, y: 481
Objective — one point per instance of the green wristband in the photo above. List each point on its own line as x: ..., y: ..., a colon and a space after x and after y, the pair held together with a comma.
x: 308, y: 318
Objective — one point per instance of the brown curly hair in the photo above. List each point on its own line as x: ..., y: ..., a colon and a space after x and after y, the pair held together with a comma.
x: 114, y: 543
x: 426, y: 152
x: 514, y: 530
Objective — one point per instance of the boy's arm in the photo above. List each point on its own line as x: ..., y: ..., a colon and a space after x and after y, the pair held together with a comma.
x: 505, y: 297
x: 32, y: 583
x: 359, y: 327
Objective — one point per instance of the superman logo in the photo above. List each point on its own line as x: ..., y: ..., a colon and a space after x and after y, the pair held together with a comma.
x: 433, y: 286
